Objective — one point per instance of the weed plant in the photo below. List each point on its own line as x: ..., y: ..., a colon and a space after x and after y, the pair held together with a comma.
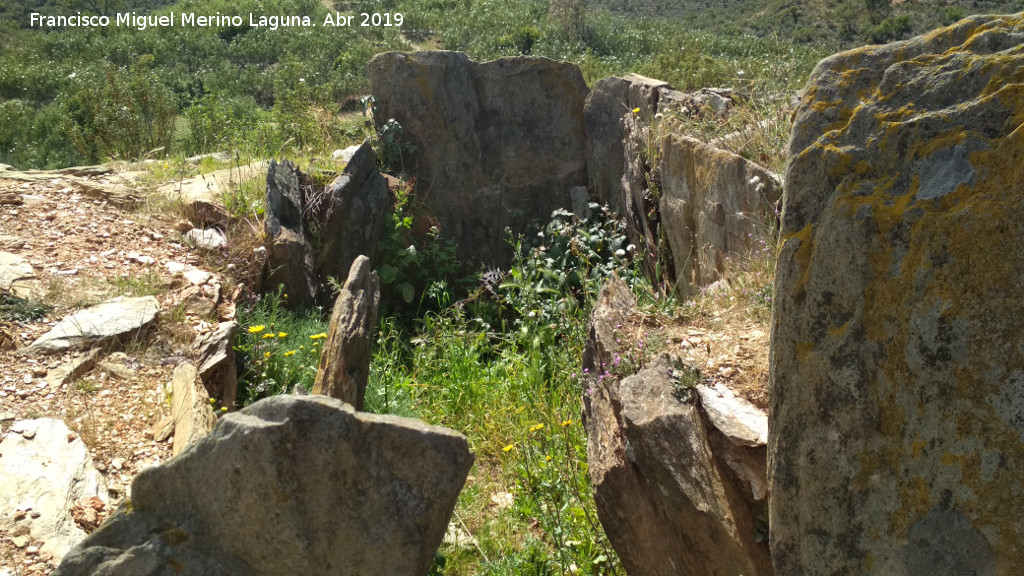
x: 502, y: 370
x: 276, y: 349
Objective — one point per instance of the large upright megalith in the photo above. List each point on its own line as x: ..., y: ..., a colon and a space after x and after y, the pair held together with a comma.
x: 495, y: 144
x: 897, y: 363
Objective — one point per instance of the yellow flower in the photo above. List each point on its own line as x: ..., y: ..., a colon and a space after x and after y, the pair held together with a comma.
x: 537, y: 427
x: 318, y: 336
x: 266, y: 354
x: 548, y: 459
x: 282, y: 334
x: 508, y: 448
x: 213, y: 400
x: 225, y: 409
x: 270, y: 335
x: 255, y: 329
x: 302, y: 347
x: 289, y: 353
x: 636, y: 110
x: 566, y: 423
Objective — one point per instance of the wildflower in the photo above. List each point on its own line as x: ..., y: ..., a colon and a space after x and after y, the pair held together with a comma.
x: 290, y: 353
x: 636, y: 110
x: 255, y: 329
x: 282, y: 334
x: 318, y: 336
x: 213, y: 400
x: 566, y: 423
x: 270, y: 335
x: 548, y: 459
x: 223, y: 408
x: 537, y: 427
x: 266, y: 354
x: 508, y: 448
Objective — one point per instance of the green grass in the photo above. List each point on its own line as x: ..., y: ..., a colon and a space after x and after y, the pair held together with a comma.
x: 276, y: 349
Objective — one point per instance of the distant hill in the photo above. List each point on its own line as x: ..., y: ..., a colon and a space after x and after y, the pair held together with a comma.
x: 838, y: 22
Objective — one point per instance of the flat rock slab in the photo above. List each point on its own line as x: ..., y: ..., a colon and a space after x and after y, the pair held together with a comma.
x: 16, y: 275
x: 289, y: 485
x: 102, y: 322
x: 45, y: 469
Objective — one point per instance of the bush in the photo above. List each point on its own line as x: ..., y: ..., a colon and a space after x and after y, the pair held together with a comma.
x: 121, y: 113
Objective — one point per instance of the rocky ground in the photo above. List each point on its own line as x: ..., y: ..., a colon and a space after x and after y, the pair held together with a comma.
x: 84, y: 245
x: 88, y: 237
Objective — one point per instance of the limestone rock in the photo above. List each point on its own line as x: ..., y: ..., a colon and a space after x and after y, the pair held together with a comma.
x: 190, y: 407
x: 17, y: 276
x: 675, y: 495
x: 496, y: 143
x: 290, y: 260
x: 346, y: 154
x: 345, y: 360
x: 353, y: 215
x: 714, y: 204
x: 289, y: 485
x: 210, y: 239
x: 201, y: 197
x: 42, y: 471
x: 113, y: 319
x: 216, y: 360
x: 897, y: 395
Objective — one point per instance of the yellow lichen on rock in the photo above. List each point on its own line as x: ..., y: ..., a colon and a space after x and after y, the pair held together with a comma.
x: 897, y: 374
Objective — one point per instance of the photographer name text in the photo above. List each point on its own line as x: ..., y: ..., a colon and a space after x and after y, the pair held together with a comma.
x: 218, y: 20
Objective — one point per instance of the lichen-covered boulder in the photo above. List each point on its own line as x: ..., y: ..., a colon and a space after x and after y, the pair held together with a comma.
x: 495, y: 144
x: 897, y: 364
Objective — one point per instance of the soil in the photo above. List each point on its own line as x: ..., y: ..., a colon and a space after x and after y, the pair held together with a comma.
x: 86, y: 248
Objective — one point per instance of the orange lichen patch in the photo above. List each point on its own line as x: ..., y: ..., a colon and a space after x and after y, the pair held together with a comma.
x: 915, y: 499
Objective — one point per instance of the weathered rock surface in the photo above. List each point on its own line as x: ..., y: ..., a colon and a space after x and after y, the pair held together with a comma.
x: 17, y: 276
x: 675, y: 493
x: 216, y: 360
x: 113, y: 319
x: 715, y: 205
x: 190, y: 408
x: 353, y: 215
x: 497, y: 143
x: 608, y: 102
x: 289, y: 485
x: 201, y: 197
x: 897, y: 394
x: 46, y: 469
x: 345, y: 360
x: 290, y: 259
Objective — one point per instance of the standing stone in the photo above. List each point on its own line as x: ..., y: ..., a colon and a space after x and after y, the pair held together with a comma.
x: 610, y: 100
x: 897, y: 388
x: 216, y: 360
x: 190, y: 408
x: 497, y: 144
x: 353, y: 218
x: 345, y: 360
x: 289, y: 485
x: 680, y: 485
x: 290, y: 261
x: 119, y: 318
x: 45, y: 468
x: 715, y: 206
